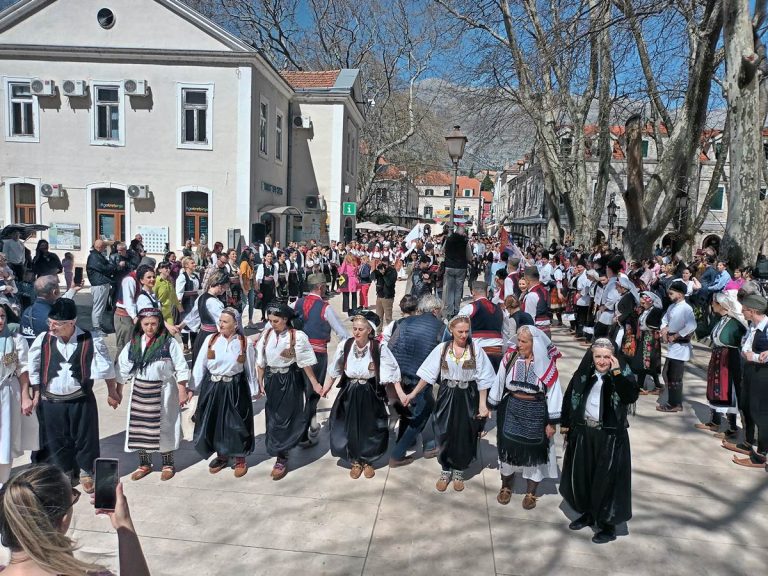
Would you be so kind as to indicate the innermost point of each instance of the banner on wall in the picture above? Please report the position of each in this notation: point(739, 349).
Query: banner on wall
point(64, 236)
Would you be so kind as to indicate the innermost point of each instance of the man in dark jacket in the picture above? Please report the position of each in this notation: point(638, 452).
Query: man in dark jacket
point(457, 255)
point(101, 273)
point(385, 277)
point(413, 339)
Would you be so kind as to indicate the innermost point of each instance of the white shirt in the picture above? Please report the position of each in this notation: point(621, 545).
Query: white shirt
point(609, 298)
point(430, 370)
point(679, 319)
point(181, 282)
point(173, 369)
point(261, 273)
point(545, 274)
point(146, 300)
point(64, 383)
point(14, 251)
point(592, 408)
point(128, 288)
point(330, 317)
point(16, 343)
point(750, 337)
point(583, 284)
point(271, 345)
point(214, 307)
point(359, 368)
point(225, 361)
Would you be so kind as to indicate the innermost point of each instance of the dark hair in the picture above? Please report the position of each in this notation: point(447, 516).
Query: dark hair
point(164, 264)
point(142, 270)
point(409, 304)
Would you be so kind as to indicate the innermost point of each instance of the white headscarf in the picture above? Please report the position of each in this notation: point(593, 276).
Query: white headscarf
point(732, 306)
point(628, 285)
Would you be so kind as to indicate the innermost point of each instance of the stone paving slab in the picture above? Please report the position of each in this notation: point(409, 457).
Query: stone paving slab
point(694, 511)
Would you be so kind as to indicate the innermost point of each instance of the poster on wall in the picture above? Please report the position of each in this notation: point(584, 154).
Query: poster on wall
point(155, 238)
point(64, 236)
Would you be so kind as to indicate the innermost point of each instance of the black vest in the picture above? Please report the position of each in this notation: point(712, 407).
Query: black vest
point(51, 360)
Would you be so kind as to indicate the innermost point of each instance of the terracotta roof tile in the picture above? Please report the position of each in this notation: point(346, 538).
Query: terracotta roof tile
point(303, 79)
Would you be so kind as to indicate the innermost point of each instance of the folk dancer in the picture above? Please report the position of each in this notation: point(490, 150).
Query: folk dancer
point(284, 358)
point(491, 328)
point(154, 362)
point(463, 374)
point(724, 371)
point(187, 291)
point(624, 330)
point(647, 359)
point(529, 398)
point(753, 401)
point(18, 421)
point(677, 326)
point(266, 273)
point(203, 319)
point(63, 363)
point(597, 467)
point(359, 418)
point(224, 376)
point(535, 301)
point(318, 320)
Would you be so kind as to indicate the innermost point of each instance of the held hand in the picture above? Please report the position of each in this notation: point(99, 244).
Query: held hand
point(183, 397)
point(112, 402)
point(35, 399)
point(260, 393)
point(26, 405)
point(326, 389)
point(763, 356)
point(317, 388)
point(550, 430)
point(404, 398)
point(483, 411)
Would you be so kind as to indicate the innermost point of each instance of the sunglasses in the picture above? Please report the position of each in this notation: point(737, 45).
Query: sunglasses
point(59, 323)
point(75, 495)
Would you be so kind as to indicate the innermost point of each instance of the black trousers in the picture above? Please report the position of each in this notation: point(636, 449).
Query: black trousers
point(753, 402)
point(313, 398)
point(581, 319)
point(673, 378)
point(72, 433)
point(601, 330)
point(345, 301)
point(334, 276)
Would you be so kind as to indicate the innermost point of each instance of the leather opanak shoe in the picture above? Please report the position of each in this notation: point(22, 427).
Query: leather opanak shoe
point(606, 534)
point(217, 465)
point(167, 473)
point(141, 472)
point(581, 522)
point(87, 483)
point(241, 468)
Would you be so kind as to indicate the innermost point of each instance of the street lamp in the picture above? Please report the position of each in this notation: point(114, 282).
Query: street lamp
point(612, 208)
point(455, 141)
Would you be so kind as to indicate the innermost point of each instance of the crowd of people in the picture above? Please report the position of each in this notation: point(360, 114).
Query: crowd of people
point(440, 370)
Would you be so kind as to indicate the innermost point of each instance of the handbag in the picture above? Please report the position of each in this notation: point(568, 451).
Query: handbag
point(343, 280)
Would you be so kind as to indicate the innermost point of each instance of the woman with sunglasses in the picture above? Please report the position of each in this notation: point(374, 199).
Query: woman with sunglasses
point(36, 509)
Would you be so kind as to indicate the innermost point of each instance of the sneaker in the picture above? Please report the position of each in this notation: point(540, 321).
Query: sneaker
point(458, 480)
point(443, 481)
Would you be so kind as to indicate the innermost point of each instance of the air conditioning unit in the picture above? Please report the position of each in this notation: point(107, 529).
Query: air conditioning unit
point(311, 202)
point(74, 87)
point(302, 122)
point(135, 87)
point(40, 87)
point(138, 192)
point(52, 190)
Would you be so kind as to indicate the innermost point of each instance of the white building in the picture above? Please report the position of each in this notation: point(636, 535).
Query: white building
point(144, 116)
point(435, 199)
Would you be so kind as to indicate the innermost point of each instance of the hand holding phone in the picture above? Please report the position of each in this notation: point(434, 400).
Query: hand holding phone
point(106, 477)
point(78, 278)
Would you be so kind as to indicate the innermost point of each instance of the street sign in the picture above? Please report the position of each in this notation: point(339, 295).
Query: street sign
point(349, 209)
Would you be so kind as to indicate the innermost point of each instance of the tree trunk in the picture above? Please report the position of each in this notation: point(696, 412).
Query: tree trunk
point(744, 226)
point(637, 244)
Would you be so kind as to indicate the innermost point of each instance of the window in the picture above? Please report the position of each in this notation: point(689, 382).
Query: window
point(22, 112)
point(429, 192)
point(108, 121)
point(110, 214)
point(263, 118)
point(467, 193)
point(566, 146)
point(196, 116)
point(447, 192)
point(23, 203)
point(645, 145)
point(349, 152)
point(718, 149)
point(427, 211)
point(195, 222)
point(279, 136)
point(381, 195)
point(717, 200)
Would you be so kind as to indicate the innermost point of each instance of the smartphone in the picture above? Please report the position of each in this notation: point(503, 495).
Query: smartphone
point(78, 279)
point(106, 477)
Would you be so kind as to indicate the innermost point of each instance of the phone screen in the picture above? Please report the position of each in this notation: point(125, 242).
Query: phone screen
point(106, 478)
point(78, 279)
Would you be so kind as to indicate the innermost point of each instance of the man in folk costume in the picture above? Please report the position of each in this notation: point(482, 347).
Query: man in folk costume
point(753, 400)
point(608, 298)
point(284, 360)
point(677, 327)
point(511, 286)
point(490, 326)
point(63, 363)
point(724, 372)
point(597, 467)
point(125, 308)
point(318, 320)
point(536, 300)
point(529, 398)
point(155, 363)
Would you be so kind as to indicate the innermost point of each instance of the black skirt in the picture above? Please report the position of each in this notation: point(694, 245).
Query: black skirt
point(286, 410)
point(458, 426)
point(267, 289)
point(198, 343)
point(224, 418)
point(359, 423)
point(521, 431)
point(597, 474)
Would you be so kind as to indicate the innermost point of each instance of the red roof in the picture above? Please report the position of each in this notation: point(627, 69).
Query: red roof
point(434, 178)
point(300, 79)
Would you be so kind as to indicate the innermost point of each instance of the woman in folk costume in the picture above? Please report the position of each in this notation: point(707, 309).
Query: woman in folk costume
point(224, 375)
point(597, 468)
point(295, 276)
point(724, 373)
point(266, 275)
point(359, 421)
point(556, 294)
point(624, 330)
point(206, 311)
point(155, 362)
point(187, 291)
point(282, 277)
point(19, 430)
point(647, 358)
point(529, 399)
point(464, 374)
point(284, 356)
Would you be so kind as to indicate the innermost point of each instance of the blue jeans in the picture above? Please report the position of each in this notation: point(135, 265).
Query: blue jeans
point(421, 411)
point(453, 290)
point(249, 299)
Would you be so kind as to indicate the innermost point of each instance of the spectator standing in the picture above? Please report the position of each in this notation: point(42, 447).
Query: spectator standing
point(68, 265)
point(364, 275)
point(165, 291)
point(14, 251)
point(101, 274)
point(385, 276)
point(457, 255)
point(349, 289)
point(45, 262)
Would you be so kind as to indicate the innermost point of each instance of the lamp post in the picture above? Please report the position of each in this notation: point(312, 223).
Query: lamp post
point(612, 208)
point(455, 142)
